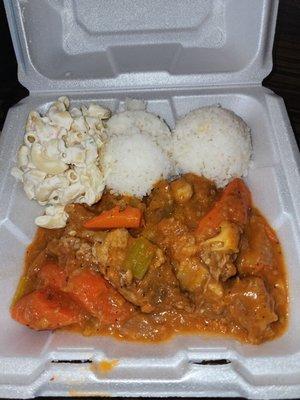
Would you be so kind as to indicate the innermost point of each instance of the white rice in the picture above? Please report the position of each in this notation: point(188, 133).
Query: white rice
point(213, 142)
point(133, 163)
point(140, 122)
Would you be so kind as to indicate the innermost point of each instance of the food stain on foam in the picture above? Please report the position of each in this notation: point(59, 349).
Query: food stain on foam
point(101, 367)
point(104, 366)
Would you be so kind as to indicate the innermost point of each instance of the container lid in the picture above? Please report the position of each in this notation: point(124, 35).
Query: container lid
point(84, 45)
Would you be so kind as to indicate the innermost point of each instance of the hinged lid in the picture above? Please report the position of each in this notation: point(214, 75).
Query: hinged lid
point(83, 45)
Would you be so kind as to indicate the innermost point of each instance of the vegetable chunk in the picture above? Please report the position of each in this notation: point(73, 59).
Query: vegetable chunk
point(226, 241)
point(233, 206)
point(51, 274)
point(139, 257)
point(130, 217)
point(101, 300)
point(45, 309)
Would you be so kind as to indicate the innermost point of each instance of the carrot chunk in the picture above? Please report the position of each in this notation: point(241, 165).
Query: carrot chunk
point(130, 217)
point(233, 205)
point(98, 297)
point(51, 274)
point(45, 309)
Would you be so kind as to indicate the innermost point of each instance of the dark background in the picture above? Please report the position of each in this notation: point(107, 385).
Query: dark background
point(284, 79)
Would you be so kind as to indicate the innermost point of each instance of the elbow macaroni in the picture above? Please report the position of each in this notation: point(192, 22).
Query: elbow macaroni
point(58, 161)
point(54, 217)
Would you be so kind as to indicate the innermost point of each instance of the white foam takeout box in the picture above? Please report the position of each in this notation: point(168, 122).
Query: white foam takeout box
point(177, 55)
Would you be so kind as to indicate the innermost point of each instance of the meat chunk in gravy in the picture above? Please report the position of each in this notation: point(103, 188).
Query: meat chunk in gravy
point(251, 306)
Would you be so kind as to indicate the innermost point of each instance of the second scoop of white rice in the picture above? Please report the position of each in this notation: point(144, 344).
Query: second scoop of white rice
point(133, 164)
point(142, 122)
point(213, 142)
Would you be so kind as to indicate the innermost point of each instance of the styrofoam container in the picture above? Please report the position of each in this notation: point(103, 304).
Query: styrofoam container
point(177, 55)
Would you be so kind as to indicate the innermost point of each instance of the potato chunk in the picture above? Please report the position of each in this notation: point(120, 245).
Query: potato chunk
point(227, 240)
point(181, 190)
point(192, 274)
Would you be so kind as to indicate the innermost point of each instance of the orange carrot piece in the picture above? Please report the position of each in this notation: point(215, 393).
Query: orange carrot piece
point(237, 201)
point(130, 217)
point(87, 287)
point(45, 309)
point(233, 205)
point(51, 274)
point(98, 297)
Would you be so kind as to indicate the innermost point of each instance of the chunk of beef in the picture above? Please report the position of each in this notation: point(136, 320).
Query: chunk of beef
point(175, 237)
point(194, 264)
point(256, 256)
point(221, 265)
point(251, 306)
point(160, 203)
point(72, 252)
point(180, 243)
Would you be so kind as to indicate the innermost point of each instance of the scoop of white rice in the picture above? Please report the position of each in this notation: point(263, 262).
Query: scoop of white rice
point(213, 142)
point(142, 122)
point(133, 164)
